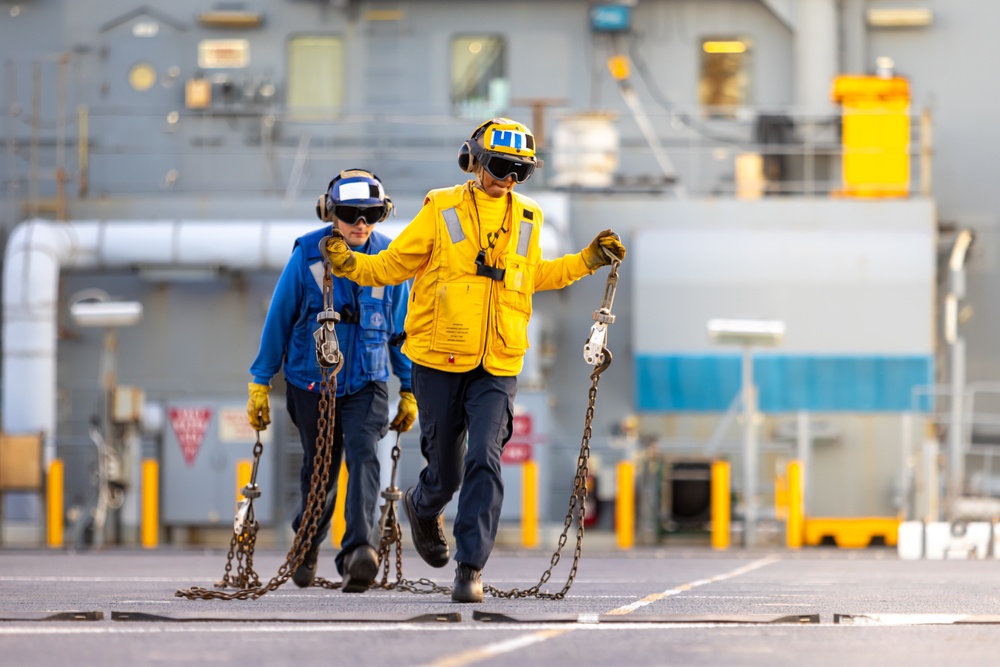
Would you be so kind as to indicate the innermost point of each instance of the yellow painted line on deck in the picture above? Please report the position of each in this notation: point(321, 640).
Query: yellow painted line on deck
point(498, 648)
point(506, 646)
point(655, 597)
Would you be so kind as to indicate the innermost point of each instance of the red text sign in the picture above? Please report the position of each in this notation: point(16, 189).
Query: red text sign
point(522, 426)
point(516, 452)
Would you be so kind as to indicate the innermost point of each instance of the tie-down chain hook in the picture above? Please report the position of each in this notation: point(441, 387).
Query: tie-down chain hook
point(328, 354)
point(595, 351)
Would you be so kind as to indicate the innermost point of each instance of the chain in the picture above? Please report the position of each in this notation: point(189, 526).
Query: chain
point(596, 353)
point(246, 581)
point(244, 534)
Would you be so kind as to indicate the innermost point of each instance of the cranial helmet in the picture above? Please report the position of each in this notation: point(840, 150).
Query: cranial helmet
point(353, 194)
point(503, 147)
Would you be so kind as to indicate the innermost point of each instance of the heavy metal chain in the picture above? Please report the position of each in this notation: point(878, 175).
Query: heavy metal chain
point(595, 352)
point(391, 543)
point(245, 533)
point(246, 582)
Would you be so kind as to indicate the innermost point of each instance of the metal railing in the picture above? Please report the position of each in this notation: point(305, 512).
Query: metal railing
point(57, 151)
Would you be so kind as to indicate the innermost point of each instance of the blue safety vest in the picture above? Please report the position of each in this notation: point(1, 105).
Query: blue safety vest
point(370, 316)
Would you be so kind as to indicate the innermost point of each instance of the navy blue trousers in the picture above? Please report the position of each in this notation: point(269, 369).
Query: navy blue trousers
point(362, 419)
point(465, 422)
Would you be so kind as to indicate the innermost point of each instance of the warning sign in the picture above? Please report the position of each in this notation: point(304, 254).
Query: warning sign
point(516, 452)
point(521, 426)
point(190, 425)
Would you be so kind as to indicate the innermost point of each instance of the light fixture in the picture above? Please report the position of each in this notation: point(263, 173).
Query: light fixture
point(94, 308)
point(227, 18)
point(900, 17)
point(731, 46)
point(746, 332)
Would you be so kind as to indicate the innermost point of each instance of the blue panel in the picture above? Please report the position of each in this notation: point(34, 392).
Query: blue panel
point(610, 18)
point(709, 382)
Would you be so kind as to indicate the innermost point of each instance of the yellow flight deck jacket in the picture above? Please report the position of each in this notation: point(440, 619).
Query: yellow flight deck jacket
point(457, 320)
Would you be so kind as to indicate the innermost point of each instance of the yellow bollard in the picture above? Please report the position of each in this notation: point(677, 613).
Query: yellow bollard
point(529, 504)
point(54, 500)
point(794, 525)
point(339, 520)
point(244, 468)
point(720, 505)
point(625, 505)
point(150, 531)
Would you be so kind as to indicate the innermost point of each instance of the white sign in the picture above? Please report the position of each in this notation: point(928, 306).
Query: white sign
point(234, 427)
point(218, 53)
point(146, 29)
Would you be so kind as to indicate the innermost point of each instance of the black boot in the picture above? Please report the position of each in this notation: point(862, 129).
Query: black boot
point(468, 584)
point(428, 536)
point(306, 571)
point(360, 567)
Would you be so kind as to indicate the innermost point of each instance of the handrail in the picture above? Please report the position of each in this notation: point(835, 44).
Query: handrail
point(256, 135)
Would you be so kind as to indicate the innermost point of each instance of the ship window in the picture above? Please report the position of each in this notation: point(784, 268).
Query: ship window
point(724, 84)
point(479, 84)
point(315, 77)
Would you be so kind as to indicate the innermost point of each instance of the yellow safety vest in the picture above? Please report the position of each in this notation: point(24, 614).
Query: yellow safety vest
point(457, 320)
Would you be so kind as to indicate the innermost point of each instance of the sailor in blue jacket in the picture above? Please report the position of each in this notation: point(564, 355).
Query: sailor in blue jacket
point(370, 318)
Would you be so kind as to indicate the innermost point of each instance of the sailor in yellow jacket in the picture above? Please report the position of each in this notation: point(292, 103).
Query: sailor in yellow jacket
point(474, 253)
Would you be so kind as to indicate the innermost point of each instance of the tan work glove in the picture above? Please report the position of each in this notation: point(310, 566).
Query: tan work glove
point(406, 413)
point(341, 256)
point(596, 254)
point(259, 406)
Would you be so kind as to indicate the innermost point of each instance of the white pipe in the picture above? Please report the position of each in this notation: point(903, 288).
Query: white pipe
point(38, 250)
point(35, 252)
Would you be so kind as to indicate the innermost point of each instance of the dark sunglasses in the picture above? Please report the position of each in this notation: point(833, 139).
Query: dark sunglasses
point(501, 168)
point(352, 214)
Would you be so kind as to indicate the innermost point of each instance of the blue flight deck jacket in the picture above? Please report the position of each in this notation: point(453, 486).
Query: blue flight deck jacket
point(370, 316)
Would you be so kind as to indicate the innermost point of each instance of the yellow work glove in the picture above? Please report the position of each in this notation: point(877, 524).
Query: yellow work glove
point(596, 254)
point(259, 406)
point(341, 256)
point(406, 413)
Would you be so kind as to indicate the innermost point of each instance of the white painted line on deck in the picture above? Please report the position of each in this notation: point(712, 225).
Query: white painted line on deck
point(217, 628)
point(904, 619)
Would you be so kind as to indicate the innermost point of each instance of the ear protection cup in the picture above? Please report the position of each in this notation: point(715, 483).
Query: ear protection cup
point(467, 153)
point(466, 161)
point(324, 206)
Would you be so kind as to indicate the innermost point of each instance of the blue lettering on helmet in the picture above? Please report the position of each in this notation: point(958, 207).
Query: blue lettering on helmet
point(508, 139)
